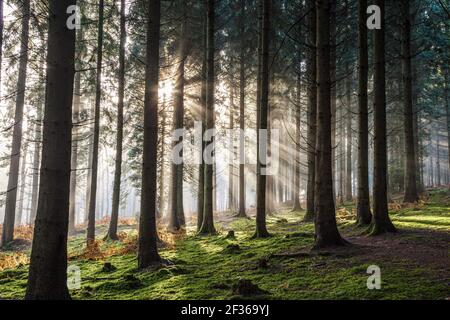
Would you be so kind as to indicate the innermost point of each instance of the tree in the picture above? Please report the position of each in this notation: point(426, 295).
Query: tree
point(327, 233)
point(208, 217)
point(242, 85)
point(312, 112)
point(1, 37)
point(13, 177)
point(381, 222)
point(112, 231)
point(148, 250)
point(348, 173)
point(261, 229)
point(47, 277)
point(363, 214)
point(96, 134)
point(176, 213)
point(298, 109)
point(411, 194)
point(74, 159)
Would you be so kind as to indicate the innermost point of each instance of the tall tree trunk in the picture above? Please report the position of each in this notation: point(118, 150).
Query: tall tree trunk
point(341, 158)
point(381, 221)
point(312, 112)
point(261, 230)
point(176, 214)
point(74, 157)
point(326, 233)
point(363, 214)
point(162, 156)
point(296, 185)
point(202, 115)
point(112, 231)
point(447, 111)
point(1, 40)
point(95, 151)
point(208, 209)
point(148, 250)
point(47, 277)
point(11, 193)
point(348, 173)
point(230, 203)
point(242, 86)
point(23, 181)
point(411, 194)
point(89, 173)
point(37, 144)
point(333, 56)
point(438, 159)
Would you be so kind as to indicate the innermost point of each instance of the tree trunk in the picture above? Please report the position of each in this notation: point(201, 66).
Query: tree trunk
point(208, 217)
point(411, 194)
point(112, 232)
point(261, 230)
point(296, 185)
point(95, 151)
point(242, 85)
point(162, 156)
point(363, 214)
point(37, 145)
point(176, 213)
point(148, 250)
point(230, 203)
point(312, 113)
point(1, 40)
point(23, 181)
point(202, 114)
point(447, 111)
point(438, 159)
point(381, 221)
point(74, 158)
point(333, 49)
point(326, 233)
point(348, 173)
point(13, 176)
point(47, 277)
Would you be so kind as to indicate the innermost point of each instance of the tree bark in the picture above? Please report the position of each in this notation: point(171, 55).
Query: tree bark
point(296, 185)
point(447, 111)
point(242, 86)
point(326, 234)
point(295, 192)
point(1, 40)
point(47, 277)
point(208, 208)
point(348, 172)
point(261, 230)
point(363, 214)
point(176, 214)
point(37, 144)
point(13, 176)
point(148, 250)
point(74, 157)
point(112, 232)
point(95, 151)
point(312, 112)
point(23, 181)
point(201, 167)
point(411, 194)
point(381, 222)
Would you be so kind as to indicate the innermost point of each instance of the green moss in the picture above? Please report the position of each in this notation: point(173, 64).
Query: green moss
point(204, 268)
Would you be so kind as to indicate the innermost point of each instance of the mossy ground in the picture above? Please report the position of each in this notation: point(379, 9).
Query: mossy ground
point(203, 267)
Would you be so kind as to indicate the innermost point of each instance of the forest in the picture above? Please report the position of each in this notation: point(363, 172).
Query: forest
point(224, 149)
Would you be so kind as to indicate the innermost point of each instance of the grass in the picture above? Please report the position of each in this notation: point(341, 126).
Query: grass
point(206, 267)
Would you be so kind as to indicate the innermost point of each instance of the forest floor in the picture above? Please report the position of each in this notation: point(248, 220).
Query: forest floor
point(414, 263)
